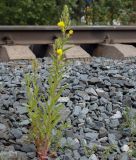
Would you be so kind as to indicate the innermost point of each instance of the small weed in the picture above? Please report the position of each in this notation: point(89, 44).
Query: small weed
point(129, 120)
point(108, 151)
point(57, 135)
point(1, 87)
point(105, 154)
point(44, 113)
point(88, 151)
point(132, 152)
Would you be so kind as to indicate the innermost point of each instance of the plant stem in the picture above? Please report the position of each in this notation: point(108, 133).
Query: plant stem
point(43, 149)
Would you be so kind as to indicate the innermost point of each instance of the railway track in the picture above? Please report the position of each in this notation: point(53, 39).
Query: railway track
point(25, 35)
point(108, 38)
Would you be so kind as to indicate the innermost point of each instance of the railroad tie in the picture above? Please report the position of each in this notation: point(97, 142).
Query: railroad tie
point(75, 52)
point(15, 52)
point(115, 51)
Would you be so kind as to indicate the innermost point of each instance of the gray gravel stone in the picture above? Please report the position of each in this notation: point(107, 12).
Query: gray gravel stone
point(63, 142)
point(103, 132)
point(73, 143)
point(93, 107)
point(84, 111)
point(76, 155)
point(112, 139)
point(124, 156)
point(91, 91)
point(94, 80)
point(31, 155)
point(65, 112)
point(100, 92)
point(21, 110)
point(17, 133)
point(95, 93)
point(91, 136)
point(83, 95)
point(24, 122)
point(28, 148)
point(77, 110)
point(114, 123)
point(83, 158)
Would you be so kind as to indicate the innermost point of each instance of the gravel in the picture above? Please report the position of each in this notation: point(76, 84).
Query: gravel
point(95, 99)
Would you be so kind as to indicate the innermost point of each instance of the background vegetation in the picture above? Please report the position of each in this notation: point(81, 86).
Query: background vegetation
point(46, 12)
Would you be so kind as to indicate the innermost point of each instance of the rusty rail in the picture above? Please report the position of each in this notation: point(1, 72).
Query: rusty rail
point(26, 35)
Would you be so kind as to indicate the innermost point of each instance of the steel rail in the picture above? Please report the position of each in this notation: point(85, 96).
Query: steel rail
point(26, 35)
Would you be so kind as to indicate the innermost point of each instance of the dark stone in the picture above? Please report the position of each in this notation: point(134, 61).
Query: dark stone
point(67, 158)
point(91, 91)
point(93, 80)
point(128, 84)
point(103, 132)
point(28, 148)
point(93, 107)
point(134, 105)
point(98, 125)
point(114, 123)
point(17, 133)
point(126, 132)
point(31, 154)
point(83, 94)
point(91, 136)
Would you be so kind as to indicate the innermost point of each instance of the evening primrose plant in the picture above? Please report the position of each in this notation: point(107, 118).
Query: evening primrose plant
point(44, 112)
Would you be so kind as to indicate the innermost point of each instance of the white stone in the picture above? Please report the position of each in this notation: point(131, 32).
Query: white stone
point(117, 115)
point(125, 148)
point(93, 157)
point(100, 92)
point(63, 99)
point(2, 127)
point(76, 140)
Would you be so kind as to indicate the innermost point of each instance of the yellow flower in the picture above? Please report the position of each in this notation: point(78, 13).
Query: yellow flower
point(71, 32)
point(61, 24)
point(59, 52)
